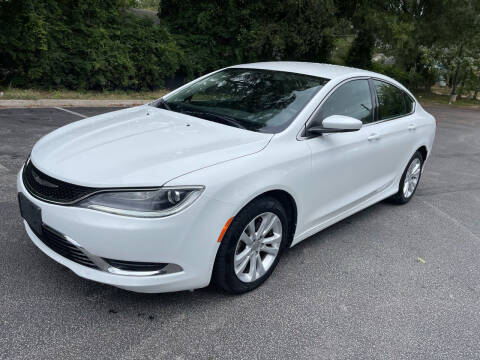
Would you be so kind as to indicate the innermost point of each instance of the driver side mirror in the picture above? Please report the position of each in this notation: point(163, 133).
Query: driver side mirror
point(335, 124)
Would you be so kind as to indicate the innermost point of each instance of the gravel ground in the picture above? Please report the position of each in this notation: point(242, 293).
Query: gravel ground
point(356, 290)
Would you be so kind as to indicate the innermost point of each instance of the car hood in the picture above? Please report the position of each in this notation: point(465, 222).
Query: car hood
point(141, 146)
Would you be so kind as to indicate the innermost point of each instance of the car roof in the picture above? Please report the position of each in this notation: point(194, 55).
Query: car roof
point(326, 71)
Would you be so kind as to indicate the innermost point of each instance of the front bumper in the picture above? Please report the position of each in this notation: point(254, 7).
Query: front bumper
point(187, 239)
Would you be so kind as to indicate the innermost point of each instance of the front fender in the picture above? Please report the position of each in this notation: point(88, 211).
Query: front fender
point(239, 181)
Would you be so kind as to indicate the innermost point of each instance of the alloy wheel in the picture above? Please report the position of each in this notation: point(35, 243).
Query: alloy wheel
point(411, 178)
point(258, 247)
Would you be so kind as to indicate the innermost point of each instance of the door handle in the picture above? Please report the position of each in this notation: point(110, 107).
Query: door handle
point(373, 137)
point(412, 127)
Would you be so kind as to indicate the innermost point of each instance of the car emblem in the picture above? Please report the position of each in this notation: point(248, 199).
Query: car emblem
point(43, 182)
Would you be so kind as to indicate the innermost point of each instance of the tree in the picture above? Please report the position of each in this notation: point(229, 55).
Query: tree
point(87, 44)
point(361, 51)
point(214, 34)
point(146, 4)
point(457, 43)
point(362, 17)
point(461, 27)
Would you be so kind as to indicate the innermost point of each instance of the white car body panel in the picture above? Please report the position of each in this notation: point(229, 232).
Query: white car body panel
point(328, 177)
point(109, 147)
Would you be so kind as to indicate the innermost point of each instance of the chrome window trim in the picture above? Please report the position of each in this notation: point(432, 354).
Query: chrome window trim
point(301, 137)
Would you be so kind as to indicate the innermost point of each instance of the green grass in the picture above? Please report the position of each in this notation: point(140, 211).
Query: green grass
point(429, 98)
point(425, 97)
point(33, 94)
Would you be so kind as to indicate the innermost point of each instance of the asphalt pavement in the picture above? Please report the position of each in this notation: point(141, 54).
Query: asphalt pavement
point(389, 282)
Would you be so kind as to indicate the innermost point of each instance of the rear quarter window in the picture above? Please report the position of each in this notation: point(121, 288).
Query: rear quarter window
point(410, 103)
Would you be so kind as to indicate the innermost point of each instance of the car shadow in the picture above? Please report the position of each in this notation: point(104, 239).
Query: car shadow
point(113, 302)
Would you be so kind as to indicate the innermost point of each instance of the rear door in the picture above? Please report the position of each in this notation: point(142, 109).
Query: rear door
point(396, 125)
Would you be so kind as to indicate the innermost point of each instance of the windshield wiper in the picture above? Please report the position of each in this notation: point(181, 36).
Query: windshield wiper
point(214, 117)
point(161, 103)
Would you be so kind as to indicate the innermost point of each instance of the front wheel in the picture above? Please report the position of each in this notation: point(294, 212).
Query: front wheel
point(410, 179)
point(251, 247)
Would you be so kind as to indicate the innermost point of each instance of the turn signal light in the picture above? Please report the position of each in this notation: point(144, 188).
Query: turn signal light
point(224, 230)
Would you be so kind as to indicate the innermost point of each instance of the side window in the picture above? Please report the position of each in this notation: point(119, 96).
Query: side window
point(391, 101)
point(350, 99)
point(410, 103)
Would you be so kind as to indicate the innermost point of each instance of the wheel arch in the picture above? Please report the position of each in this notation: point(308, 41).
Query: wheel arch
point(288, 202)
point(423, 150)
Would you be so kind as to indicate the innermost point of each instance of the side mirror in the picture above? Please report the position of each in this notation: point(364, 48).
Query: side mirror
point(335, 124)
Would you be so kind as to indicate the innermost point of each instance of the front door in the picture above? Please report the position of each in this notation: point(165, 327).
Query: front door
point(345, 169)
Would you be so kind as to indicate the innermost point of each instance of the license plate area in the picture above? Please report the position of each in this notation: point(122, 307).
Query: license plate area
point(31, 213)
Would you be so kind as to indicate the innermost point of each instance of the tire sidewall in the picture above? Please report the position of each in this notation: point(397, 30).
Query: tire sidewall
point(400, 196)
point(225, 256)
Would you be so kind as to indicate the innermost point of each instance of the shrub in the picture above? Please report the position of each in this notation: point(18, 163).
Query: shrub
point(86, 44)
point(215, 34)
point(412, 80)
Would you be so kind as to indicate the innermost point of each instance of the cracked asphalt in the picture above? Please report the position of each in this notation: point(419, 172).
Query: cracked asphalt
point(356, 290)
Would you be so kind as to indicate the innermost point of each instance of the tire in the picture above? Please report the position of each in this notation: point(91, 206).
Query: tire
point(403, 196)
point(233, 246)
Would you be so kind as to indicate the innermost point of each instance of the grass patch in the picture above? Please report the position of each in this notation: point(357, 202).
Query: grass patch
point(425, 97)
point(33, 94)
point(429, 98)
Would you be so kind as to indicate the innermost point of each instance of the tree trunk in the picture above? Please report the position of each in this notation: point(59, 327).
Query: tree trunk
point(475, 94)
point(453, 94)
point(461, 86)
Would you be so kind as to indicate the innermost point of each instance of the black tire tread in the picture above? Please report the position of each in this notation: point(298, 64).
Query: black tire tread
point(398, 198)
point(223, 276)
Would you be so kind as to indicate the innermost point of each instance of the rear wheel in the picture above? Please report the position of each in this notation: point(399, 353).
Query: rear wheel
point(410, 179)
point(251, 247)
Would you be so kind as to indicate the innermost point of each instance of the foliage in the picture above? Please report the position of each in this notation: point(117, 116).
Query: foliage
point(458, 44)
point(146, 4)
point(99, 45)
point(214, 34)
point(363, 22)
point(472, 78)
point(87, 44)
point(458, 59)
point(61, 94)
point(405, 28)
point(342, 46)
point(410, 79)
point(361, 51)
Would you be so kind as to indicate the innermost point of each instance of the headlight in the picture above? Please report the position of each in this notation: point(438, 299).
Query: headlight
point(146, 203)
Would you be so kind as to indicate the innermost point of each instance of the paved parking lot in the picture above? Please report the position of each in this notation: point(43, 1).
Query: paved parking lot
point(356, 290)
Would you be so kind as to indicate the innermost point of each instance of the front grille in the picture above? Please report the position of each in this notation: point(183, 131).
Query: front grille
point(46, 188)
point(63, 247)
point(134, 265)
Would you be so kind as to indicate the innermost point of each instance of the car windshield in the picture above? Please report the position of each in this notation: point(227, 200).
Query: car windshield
point(253, 99)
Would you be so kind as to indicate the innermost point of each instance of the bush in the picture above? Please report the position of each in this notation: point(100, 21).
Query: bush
point(215, 34)
point(86, 44)
point(360, 53)
point(412, 80)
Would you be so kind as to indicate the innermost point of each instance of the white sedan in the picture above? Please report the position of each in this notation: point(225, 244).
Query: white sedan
point(212, 182)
